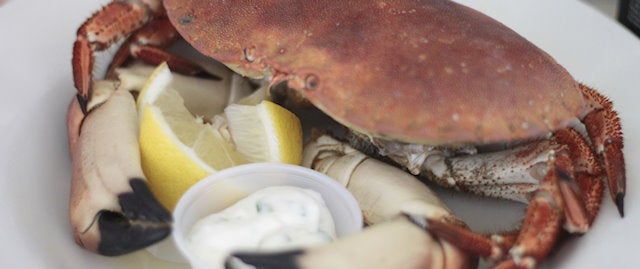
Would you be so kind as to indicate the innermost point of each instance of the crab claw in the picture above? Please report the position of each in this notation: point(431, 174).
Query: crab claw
point(396, 206)
point(397, 243)
point(111, 209)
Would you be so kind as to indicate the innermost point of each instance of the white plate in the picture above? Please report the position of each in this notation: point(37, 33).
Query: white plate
point(36, 86)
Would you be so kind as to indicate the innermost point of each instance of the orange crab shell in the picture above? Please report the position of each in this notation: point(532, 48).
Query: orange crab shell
point(431, 72)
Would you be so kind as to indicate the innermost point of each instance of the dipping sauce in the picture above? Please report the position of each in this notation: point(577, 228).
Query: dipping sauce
point(274, 218)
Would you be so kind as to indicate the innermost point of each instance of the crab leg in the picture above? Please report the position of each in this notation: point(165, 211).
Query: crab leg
point(395, 204)
point(541, 173)
point(604, 130)
point(117, 21)
point(514, 174)
point(543, 221)
point(147, 44)
point(104, 29)
point(111, 208)
point(392, 191)
point(560, 178)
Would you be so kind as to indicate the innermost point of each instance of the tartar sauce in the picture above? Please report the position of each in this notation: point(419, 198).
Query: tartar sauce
point(274, 218)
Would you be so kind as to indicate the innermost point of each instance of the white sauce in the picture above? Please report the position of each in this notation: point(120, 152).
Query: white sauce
point(274, 218)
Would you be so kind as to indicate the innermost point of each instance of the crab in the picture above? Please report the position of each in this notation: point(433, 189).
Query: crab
point(440, 89)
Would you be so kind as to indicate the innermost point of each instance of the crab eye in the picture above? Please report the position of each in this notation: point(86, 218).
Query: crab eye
point(311, 82)
point(249, 54)
point(186, 19)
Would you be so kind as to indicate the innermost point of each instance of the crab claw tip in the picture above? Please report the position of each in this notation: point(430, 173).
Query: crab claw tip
point(140, 204)
point(143, 222)
point(282, 260)
point(620, 204)
point(120, 236)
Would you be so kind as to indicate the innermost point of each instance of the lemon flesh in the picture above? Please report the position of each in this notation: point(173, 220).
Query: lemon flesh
point(177, 149)
point(265, 132)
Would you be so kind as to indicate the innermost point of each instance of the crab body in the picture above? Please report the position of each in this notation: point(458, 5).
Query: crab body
point(431, 73)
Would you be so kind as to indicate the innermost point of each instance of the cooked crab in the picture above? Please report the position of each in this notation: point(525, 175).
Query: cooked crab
point(429, 75)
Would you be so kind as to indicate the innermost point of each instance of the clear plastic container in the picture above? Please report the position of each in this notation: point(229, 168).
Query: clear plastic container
point(223, 189)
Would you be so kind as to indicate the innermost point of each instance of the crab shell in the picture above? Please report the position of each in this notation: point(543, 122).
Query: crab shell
point(435, 72)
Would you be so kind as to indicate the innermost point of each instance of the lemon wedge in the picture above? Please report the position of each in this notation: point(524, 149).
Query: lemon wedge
point(265, 132)
point(177, 148)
